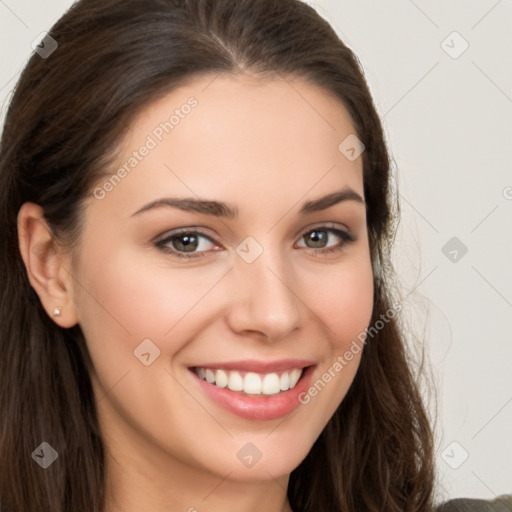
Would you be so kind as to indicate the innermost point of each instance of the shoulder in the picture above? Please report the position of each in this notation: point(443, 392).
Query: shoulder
point(500, 504)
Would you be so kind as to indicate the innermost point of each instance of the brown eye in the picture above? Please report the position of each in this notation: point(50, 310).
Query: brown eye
point(318, 238)
point(185, 244)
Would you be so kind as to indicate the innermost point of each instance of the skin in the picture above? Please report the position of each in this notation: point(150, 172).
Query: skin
point(266, 146)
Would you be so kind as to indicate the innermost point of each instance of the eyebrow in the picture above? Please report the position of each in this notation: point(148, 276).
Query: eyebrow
point(220, 209)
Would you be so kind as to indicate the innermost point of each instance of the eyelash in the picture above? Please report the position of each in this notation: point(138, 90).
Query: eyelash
point(162, 244)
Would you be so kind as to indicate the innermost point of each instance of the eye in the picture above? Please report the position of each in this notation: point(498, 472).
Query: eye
point(188, 243)
point(321, 235)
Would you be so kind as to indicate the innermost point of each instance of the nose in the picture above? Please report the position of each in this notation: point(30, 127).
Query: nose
point(263, 299)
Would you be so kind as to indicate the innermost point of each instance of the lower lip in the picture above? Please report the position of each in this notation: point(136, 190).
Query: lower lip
point(257, 407)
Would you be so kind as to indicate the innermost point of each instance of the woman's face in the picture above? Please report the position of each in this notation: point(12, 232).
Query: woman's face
point(268, 291)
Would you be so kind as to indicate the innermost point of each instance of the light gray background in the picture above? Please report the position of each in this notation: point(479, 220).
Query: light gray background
point(449, 125)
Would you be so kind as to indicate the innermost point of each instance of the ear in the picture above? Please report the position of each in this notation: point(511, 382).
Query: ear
point(48, 266)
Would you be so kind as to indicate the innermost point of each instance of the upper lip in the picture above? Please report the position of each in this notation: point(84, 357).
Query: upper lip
point(253, 365)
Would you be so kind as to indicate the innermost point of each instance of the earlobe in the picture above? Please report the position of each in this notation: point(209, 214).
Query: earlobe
point(48, 268)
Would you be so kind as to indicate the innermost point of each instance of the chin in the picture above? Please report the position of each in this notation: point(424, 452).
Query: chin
point(259, 458)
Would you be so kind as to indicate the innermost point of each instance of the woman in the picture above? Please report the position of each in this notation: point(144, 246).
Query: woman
point(196, 310)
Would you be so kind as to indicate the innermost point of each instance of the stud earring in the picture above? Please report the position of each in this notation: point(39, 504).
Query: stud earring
point(56, 311)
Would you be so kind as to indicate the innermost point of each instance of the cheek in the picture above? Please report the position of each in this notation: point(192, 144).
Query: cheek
point(134, 294)
point(343, 300)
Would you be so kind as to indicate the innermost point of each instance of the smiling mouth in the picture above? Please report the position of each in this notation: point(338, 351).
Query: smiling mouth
point(251, 383)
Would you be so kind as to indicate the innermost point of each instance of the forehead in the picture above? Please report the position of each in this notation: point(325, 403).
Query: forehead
point(244, 138)
point(236, 108)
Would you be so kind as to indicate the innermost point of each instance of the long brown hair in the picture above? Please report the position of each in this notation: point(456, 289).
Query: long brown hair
point(68, 113)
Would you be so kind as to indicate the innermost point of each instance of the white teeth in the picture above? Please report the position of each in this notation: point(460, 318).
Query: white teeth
point(221, 378)
point(251, 383)
point(235, 382)
point(284, 381)
point(294, 377)
point(270, 385)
